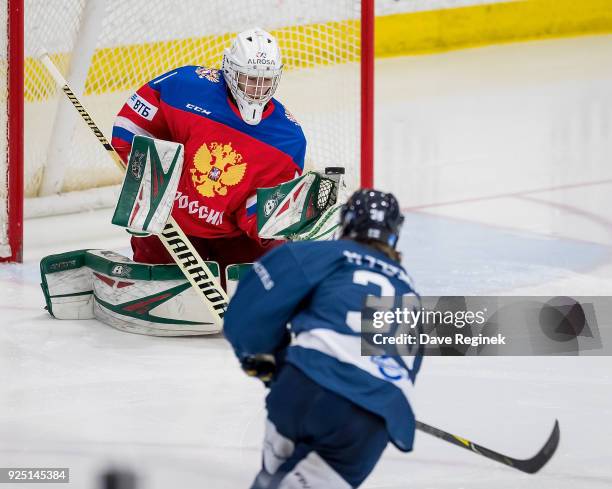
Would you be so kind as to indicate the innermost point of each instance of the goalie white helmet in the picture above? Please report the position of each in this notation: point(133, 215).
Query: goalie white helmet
point(252, 68)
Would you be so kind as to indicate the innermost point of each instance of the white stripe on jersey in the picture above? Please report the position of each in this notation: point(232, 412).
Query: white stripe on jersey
point(159, 80)
point(347, 349)
point(131, 126)
point(251, 201)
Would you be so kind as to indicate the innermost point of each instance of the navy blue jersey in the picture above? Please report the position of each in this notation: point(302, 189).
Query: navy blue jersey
point(320, 289)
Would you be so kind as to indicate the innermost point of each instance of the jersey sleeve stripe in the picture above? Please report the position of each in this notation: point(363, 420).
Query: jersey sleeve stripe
point(131, 126)
point(251, 205)
point(161, 78)
point(123, 134)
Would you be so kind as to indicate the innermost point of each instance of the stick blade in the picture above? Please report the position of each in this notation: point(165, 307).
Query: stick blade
point(540, 459)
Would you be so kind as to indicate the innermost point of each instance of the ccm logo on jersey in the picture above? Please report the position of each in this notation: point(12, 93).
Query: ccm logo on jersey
point(142, 107)
point(195, 108)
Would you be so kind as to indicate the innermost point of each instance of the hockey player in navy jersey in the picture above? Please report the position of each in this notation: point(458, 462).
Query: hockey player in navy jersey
point(331, 411)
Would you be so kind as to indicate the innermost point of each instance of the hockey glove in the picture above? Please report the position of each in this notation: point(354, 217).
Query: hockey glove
point(260, 365)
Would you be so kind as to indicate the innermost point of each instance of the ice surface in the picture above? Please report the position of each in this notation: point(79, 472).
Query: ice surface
point(180, 412)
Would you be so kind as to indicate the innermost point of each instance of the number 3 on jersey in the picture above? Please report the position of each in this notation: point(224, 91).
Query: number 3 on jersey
point(365, 278)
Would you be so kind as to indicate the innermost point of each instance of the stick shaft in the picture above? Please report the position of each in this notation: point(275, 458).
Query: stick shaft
point(530, 465)
point(174, 239)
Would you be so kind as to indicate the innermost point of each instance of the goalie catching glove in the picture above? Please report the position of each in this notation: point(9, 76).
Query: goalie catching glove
point(305, 208)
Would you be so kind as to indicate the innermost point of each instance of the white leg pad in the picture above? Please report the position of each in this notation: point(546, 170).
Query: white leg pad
point(134, 297)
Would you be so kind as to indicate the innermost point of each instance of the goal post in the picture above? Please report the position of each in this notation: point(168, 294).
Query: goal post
point(367, 94)
point(108, 48)
point(11, 131)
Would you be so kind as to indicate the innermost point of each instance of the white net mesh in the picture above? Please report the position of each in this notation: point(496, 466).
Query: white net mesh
point(109, 48)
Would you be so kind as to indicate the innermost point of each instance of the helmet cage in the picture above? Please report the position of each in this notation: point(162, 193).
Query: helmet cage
point(252, 85)
point(252, 74)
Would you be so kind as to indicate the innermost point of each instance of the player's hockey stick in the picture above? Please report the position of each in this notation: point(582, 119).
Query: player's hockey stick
point(529, 465)
point(174, 239)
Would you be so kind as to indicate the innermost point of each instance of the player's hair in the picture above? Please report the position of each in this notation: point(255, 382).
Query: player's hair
point(382, 247)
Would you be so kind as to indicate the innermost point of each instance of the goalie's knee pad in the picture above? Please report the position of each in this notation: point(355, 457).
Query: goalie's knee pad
point(155, 300)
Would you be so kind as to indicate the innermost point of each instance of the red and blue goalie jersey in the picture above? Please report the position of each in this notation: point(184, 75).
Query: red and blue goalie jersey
point(226, 159)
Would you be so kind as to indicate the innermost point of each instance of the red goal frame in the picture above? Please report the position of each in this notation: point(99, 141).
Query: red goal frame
point(14, 156)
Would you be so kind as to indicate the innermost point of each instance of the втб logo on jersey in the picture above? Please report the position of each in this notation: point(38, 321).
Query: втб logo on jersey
point(217, 166)
point(142, 107)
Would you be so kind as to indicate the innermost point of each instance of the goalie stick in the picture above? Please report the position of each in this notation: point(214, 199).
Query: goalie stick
point(529, 465)
point(174, 239)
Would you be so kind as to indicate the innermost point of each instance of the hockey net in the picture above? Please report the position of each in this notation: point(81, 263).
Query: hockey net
point(108, 48)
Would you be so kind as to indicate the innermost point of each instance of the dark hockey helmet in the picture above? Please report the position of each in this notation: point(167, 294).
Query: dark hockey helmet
point(372, 215)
